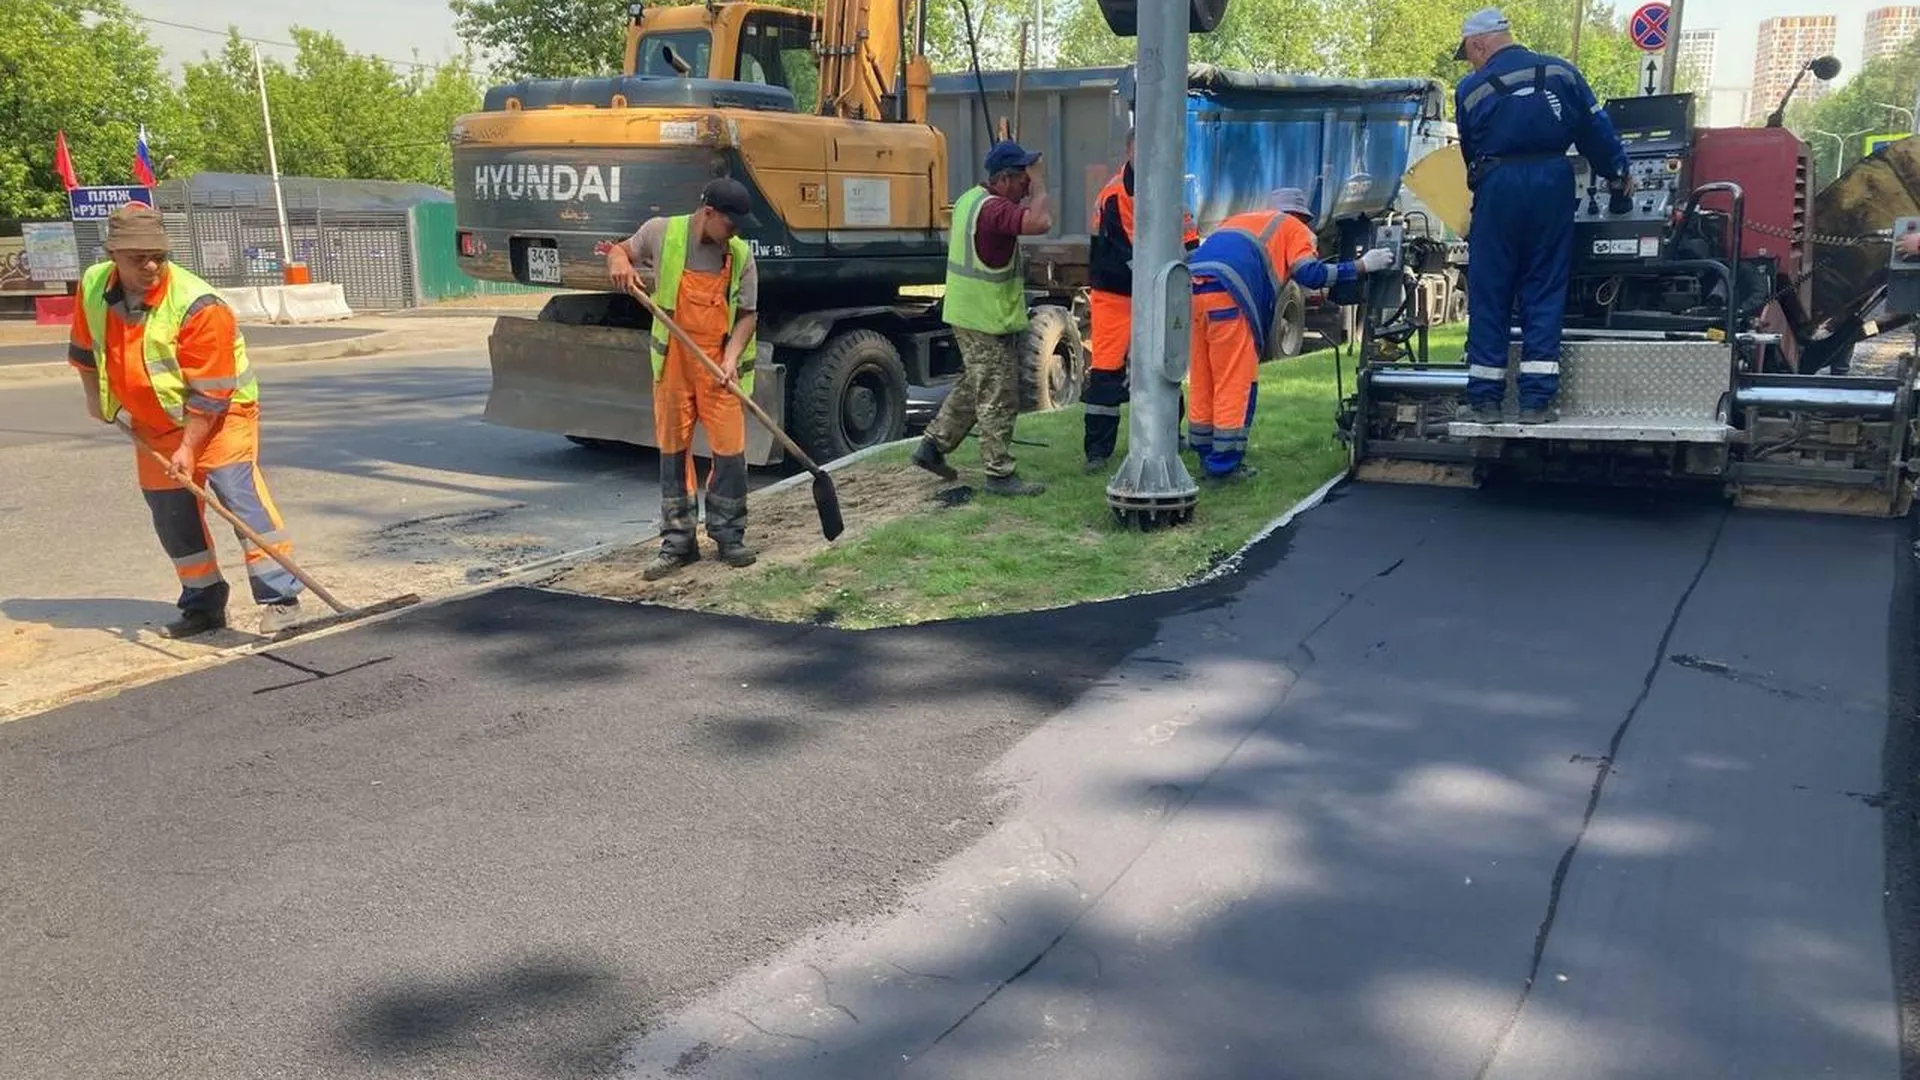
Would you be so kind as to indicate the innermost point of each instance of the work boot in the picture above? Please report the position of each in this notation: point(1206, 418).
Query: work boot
point(277, 617)
point(929, 457)
point(1095, 465)
point(1242, 471)
point(737, 555)
point(1486, 412)
point(1013, 485)
point(666, 562)
point(194, 623)
point(1539, 414)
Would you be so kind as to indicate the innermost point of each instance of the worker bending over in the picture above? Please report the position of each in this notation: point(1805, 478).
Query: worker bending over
point(1518, 113)
point(1238, 273)
point(158, 350)
point(986, 304)
point(1110, 303)
point(699, 270)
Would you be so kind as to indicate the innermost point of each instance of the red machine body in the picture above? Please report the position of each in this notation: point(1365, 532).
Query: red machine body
point(1773, 168)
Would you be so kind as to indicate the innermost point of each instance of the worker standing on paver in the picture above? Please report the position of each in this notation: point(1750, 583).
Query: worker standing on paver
point(1518, 113)
point(158, 349)
point(699, 270)
point(1238, 273)
point(1110, 310)
point(986, 304)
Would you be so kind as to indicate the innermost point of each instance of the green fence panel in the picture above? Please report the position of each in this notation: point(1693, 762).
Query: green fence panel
point(440, 275)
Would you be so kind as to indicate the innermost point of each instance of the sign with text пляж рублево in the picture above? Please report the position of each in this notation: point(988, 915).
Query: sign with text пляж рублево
point(99, 203)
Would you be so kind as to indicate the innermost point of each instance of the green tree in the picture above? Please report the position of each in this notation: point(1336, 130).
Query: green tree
point(85, 67)
point(1856, 107)
point(553, 39)
point(334, 114)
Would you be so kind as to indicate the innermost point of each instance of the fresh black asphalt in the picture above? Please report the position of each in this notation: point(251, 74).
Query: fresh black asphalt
point(258, 337)
point(498, 838)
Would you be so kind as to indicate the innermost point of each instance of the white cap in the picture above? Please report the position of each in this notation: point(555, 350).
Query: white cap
point(1484, 21)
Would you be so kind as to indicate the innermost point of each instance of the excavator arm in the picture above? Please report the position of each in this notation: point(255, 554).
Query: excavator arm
point(865, 56)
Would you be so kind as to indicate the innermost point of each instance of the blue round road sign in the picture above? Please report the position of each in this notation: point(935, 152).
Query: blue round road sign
point(1649, 27)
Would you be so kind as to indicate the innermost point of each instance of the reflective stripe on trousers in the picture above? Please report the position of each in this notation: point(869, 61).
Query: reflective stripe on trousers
point(1222, 372)
point(179, 520)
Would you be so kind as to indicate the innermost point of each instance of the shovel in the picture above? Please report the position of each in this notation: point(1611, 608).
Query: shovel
point(254, 537)
point(826, 500)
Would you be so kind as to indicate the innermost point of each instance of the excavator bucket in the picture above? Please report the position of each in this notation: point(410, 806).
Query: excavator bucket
point(594, 383)
point(1878, 188)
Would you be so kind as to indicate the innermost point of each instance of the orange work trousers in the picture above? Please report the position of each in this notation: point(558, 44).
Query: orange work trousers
point(1222, 372)
point(1107, 386)
point(686, 394)
point(229, 467)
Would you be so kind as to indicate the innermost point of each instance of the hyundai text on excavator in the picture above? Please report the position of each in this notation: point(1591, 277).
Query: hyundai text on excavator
point(823, 118)
point(1709, 326)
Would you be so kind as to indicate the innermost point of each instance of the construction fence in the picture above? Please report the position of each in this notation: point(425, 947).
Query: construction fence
point(388, 246)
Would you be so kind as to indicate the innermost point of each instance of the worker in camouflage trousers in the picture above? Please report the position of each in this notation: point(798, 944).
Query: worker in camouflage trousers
point(986, 304)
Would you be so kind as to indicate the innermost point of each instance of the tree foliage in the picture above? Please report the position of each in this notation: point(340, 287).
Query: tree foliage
point(85, 67)
point(1855, 110)
point(554, 39)
point(334, 114)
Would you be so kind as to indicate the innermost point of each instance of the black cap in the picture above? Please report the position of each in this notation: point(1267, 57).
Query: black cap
point(729, 197)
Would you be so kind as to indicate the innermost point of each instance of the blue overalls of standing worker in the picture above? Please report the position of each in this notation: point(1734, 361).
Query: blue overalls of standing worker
point(1518, 112)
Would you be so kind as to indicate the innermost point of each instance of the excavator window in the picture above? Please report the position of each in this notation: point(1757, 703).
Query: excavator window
point(776, 49)
point(690, 46)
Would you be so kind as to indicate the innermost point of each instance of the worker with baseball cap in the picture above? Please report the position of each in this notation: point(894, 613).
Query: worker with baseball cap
point(158, 349)
point(1518, 113)
point(699, 269)
point(986, 304)
point(1239, 273)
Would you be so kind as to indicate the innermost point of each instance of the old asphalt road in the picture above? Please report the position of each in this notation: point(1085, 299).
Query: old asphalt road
point(1448, 784)
point(389, 479)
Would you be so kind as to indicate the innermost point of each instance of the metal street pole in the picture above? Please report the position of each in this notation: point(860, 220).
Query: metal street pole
point(1675, 17)
point(1152, 486)
point(1908, 113)
point(1579, 18)
point(273, 165)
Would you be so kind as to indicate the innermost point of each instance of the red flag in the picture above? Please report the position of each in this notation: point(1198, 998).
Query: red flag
point(63, 162)
point(142, 161)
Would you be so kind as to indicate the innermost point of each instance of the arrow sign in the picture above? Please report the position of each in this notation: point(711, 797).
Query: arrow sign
point(1652, 86)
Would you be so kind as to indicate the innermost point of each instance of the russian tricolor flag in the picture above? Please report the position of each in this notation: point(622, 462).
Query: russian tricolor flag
point(142, 161)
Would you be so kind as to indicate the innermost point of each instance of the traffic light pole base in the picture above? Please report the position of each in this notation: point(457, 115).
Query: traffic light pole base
point(1150, 491)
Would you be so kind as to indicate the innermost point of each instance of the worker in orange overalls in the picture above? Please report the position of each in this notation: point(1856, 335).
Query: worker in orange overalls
point(700, 271)
point(1238, 273)
point(157, 348)
point(1110, 310)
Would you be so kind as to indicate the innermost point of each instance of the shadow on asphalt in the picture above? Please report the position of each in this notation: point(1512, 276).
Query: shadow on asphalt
point(1412, 707)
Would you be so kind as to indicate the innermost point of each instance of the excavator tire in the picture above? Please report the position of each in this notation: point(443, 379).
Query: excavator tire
point(1053, 360)
point(851, 393)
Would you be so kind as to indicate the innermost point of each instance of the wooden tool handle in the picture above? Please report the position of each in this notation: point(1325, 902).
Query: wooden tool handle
point(700, 354)
point(234, 519)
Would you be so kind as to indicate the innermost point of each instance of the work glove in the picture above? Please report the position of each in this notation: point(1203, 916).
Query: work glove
point(1376, 260)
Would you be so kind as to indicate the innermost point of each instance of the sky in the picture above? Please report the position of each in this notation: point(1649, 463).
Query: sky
point(397, 28)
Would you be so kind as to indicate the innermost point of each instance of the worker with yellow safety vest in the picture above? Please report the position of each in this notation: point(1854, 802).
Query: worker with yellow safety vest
point(986, 304)
point(1110, 311)
point(157, 349)
point(700, 271)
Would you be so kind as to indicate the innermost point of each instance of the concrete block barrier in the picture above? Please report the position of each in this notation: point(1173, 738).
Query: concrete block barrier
point(318, 302)
point(247, 304)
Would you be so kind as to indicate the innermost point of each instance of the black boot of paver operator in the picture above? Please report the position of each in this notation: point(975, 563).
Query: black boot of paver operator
point(666, 562)
point(1539, 414)
point(1485, 412)
point(194, 623)
point(929, 457)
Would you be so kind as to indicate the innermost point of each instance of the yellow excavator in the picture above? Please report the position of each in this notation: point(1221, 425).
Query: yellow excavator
point(824, 118)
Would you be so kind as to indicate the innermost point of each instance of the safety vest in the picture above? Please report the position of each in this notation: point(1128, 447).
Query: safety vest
point(990, 300)
point(159, 338)
point(666, 293)
point(1117, 189)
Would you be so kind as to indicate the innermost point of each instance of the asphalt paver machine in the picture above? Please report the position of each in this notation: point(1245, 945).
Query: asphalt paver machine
point(1710, 326)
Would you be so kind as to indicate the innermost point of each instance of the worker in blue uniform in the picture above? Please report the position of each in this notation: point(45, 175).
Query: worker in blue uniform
point(1518, 112)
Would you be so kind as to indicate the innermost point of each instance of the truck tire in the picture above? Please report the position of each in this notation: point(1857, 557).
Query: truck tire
point(1053, 360)
point(1292, 323)
point(851, 393)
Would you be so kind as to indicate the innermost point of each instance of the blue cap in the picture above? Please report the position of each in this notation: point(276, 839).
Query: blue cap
point(1484, 21)
point(1008, 155)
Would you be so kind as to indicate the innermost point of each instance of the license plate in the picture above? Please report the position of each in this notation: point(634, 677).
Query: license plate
point(543, 265)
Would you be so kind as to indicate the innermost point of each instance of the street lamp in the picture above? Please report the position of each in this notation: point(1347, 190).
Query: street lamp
point(1908, 113)
point(1841, 144)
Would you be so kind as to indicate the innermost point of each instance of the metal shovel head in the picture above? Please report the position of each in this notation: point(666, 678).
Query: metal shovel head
point(826, 500)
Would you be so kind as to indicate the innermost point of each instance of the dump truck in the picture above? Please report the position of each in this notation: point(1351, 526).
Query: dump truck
point(1709, 322)
point(853, 153)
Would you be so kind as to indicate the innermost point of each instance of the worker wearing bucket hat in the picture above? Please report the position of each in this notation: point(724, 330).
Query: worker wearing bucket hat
point(157, 348)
